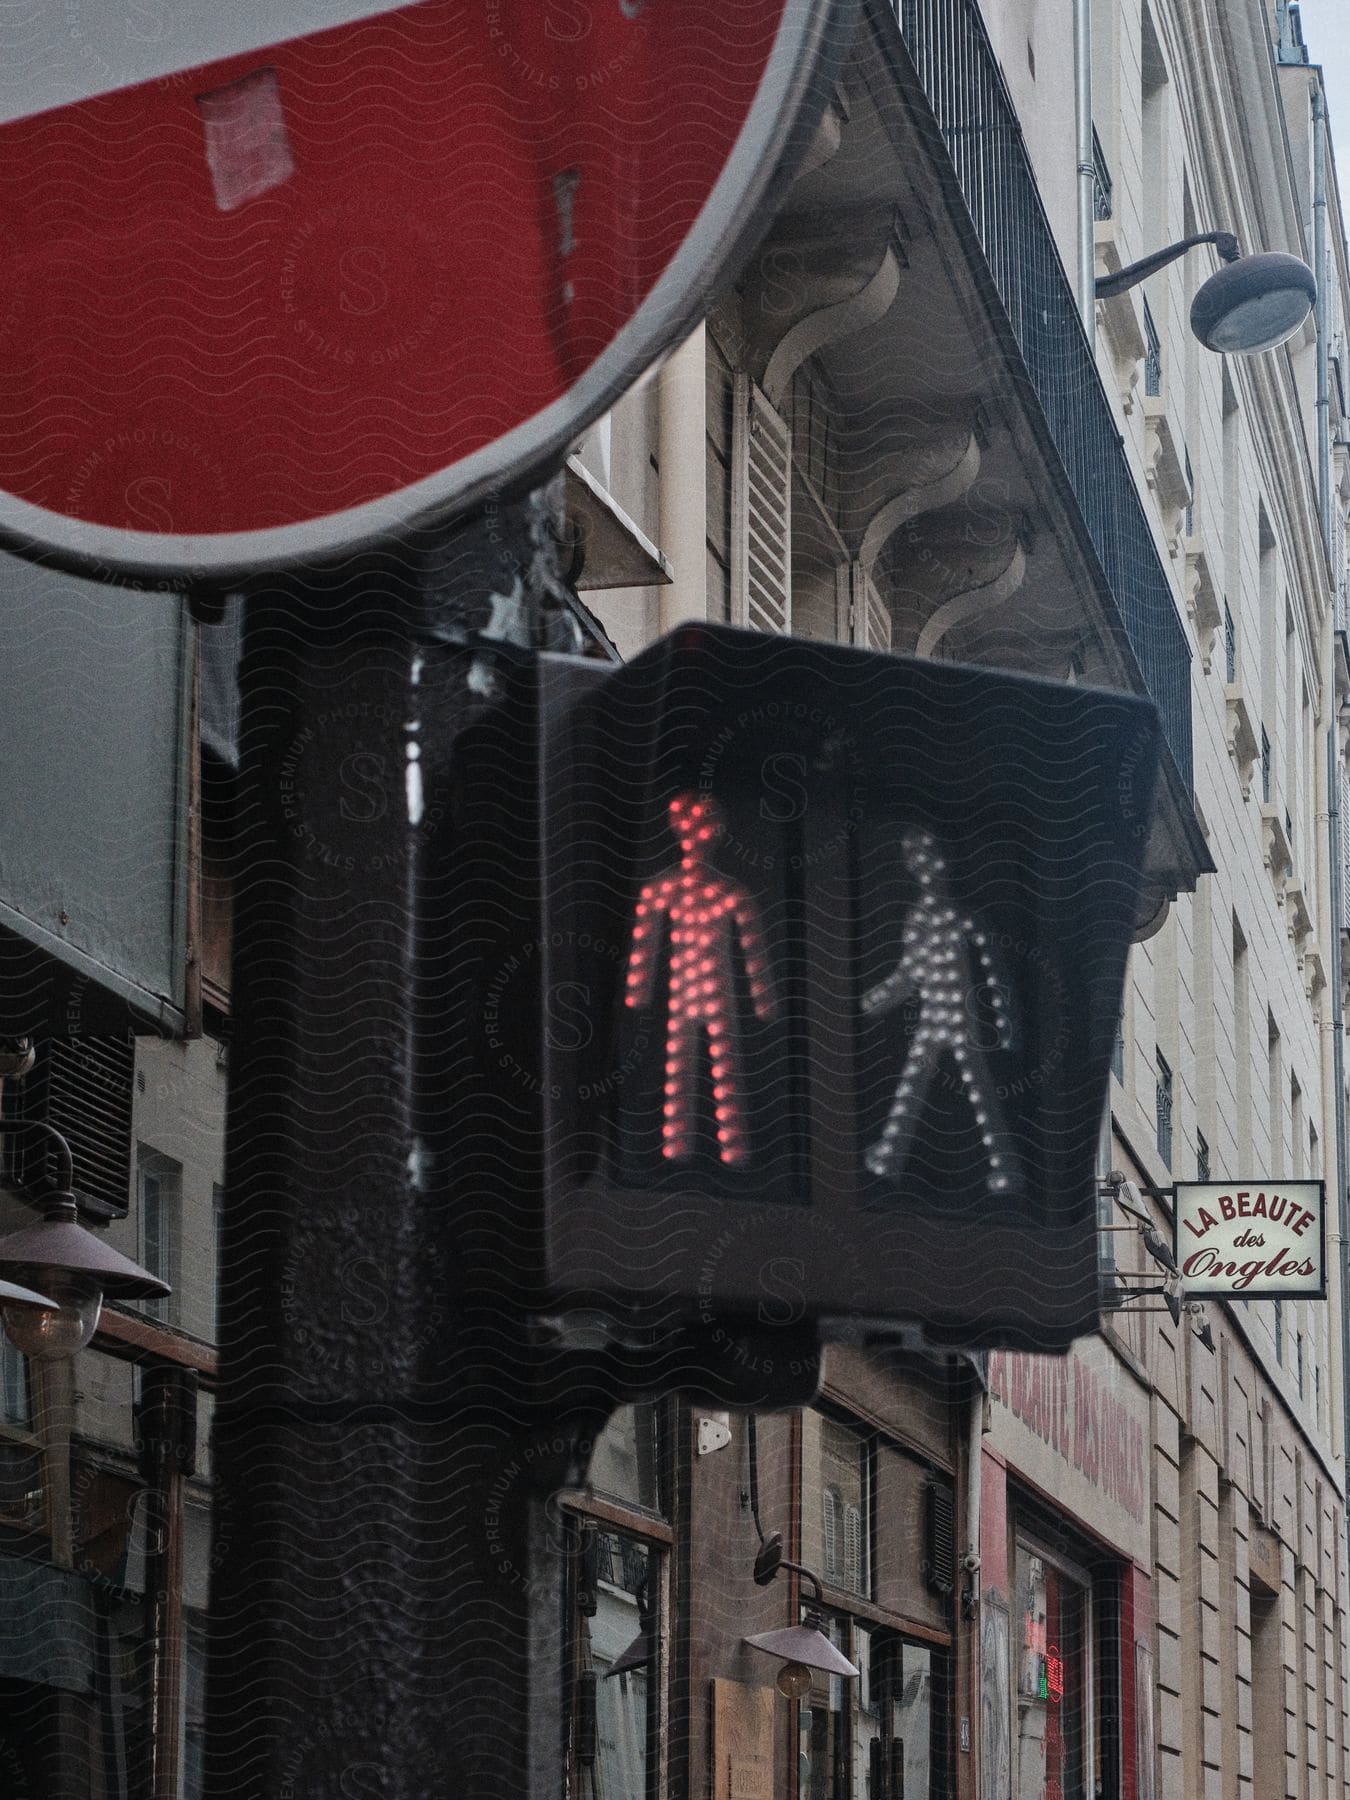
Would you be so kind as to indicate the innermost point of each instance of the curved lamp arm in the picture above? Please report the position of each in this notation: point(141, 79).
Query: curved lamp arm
point(65, 1169)
point(1108, 286)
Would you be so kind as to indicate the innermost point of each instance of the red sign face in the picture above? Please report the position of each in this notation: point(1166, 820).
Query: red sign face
point(258, 308)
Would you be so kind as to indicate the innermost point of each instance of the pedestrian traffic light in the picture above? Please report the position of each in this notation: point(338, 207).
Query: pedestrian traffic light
point(830, 978)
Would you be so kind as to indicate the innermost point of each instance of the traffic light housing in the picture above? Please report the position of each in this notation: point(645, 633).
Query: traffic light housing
point(830, 973)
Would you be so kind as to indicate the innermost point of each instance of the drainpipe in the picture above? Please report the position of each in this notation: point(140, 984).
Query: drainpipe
point(1087, 174)
point(1338, 1075)
point(1320, 312)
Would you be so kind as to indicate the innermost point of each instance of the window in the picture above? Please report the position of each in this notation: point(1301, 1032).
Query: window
point(15, 1399)
point(883, 1735)
point(836, 1461)
point(1242, 1047)
point(1101, 180)
point(625, 1464)
point(1152, 355)
point(1229, 645)
point(1190, 496)
point(615, 1574)
point(616, 1661)
point(194, 1704)
point(1163, 1098)
point(1065, 1676)
point(160, 1183)
point(1118, 1051)
point(1279, 1331)
point(1201, 1157)
point(1265, 765)
point(1298, 1353)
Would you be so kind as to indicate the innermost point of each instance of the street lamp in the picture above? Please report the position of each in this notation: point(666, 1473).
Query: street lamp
point(1252, 303)
point(68, 1263)
point(803, 1647)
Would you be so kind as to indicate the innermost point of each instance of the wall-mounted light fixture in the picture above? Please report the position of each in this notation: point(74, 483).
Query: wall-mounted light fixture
point(1251, 304)
point(803, 1647)
point(69, 1264)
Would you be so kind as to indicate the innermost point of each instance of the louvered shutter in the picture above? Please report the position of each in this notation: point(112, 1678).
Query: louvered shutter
point(853, 1549)
point(761, 512)
point(829, 1523)
point(82, 1087)
point(940, 1533)
point(864, 617)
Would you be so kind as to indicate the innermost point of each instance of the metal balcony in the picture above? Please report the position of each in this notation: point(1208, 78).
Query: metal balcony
point(959, 74)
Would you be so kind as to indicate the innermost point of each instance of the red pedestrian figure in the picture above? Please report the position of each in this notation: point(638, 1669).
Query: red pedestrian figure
point(706, 912)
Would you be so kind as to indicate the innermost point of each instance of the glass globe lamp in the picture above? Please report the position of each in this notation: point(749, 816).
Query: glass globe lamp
point(68, 1263)
point(64, 1324)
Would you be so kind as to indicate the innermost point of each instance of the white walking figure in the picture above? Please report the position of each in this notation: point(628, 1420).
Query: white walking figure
point(944, 959)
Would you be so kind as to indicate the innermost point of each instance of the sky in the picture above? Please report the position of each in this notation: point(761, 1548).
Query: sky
point(1326, 32)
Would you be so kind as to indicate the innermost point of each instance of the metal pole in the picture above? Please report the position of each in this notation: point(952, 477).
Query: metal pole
point(167, 1429)
point(1087, 170)
point(1338, 1071)
point(385, 1614)
point(1320, 313)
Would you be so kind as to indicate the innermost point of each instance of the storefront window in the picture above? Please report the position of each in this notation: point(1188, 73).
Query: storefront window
point(1058, 1745)
point(615, 1580)
point(615, 1719)
point(880, 1736)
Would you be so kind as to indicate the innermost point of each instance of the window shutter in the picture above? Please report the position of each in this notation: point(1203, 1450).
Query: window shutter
point(940, 1521)
point(853, 1549)
point(829, 1522)
point(82, 1086)
point(761, 512)
point(864, 617)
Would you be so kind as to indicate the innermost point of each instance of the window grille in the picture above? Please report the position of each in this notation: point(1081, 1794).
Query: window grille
point(1265, 765)
point(1101, 181)
point(1152, 355)
point(1229, 645)
point(1190, 497)
point(1201, 1157)
point(1163, 1095)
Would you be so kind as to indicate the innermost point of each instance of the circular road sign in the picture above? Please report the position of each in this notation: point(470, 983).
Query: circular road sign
point(261, 301)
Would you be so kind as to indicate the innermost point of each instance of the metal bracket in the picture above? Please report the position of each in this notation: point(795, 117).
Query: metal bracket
point(714, 1433)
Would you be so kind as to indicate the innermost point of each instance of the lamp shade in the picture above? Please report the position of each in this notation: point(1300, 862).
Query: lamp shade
point(803, 1644)
point(1254, 303)
point(636, 1656)
point(60, 1243)
point(11, 1294)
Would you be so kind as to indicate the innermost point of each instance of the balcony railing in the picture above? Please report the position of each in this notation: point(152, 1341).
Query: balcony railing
point(1152, 354)
point(1101, 180)
point(959, 74)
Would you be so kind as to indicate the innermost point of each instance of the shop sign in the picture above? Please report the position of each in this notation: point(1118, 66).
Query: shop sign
point(1077, 1427)
point(1254, 1239)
